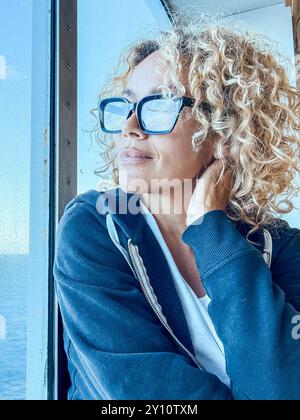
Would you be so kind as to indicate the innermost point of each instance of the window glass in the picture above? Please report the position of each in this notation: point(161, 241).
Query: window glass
point(24, 96)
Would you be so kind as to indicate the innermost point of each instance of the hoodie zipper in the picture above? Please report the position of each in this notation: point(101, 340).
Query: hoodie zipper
point(133, 250)
point(267, 247)
point(268, 258)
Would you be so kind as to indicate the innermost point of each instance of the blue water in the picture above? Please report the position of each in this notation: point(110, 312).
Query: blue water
point(13, 306)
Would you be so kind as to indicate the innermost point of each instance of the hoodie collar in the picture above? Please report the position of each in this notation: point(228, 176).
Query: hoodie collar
point(126, 211)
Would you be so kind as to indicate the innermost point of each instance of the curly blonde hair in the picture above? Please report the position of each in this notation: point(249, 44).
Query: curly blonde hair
point(254, 111)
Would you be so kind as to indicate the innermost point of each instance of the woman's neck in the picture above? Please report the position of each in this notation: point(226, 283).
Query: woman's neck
point(169, 208)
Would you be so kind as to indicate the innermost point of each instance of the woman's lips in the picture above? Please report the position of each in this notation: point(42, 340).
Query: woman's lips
point(133, 160)
point(130, 156)
point(133, 152)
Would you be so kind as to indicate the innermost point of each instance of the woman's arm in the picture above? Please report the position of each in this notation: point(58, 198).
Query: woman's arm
point(122, 347)
point(251, 313)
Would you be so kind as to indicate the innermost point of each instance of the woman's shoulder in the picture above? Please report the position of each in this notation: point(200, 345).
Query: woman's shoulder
point(91, 203)
point(280, 229)
point(285, 239)
point(284, 236)
point(88, 199)
point(281, 236)
point(286, 260)
point(83, 245)
point(83, 219)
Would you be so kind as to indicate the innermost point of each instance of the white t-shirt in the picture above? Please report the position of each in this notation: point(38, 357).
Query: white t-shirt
point(208, 348)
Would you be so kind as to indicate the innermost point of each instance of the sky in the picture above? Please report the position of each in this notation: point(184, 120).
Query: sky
point(114, 23)
point(15, 123)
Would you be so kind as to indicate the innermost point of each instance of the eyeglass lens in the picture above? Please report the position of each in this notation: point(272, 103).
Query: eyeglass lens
point(156, 114)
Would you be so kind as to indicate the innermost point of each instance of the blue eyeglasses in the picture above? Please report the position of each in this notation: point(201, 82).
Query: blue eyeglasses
point(156, 114)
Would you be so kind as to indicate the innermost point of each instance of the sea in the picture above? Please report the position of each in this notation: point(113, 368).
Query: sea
point(13, 326)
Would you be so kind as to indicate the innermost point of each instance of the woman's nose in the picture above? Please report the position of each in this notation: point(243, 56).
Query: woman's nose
point(131, 127)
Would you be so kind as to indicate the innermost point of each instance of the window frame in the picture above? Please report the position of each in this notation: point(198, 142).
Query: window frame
point(65, 178)
point(39, 317)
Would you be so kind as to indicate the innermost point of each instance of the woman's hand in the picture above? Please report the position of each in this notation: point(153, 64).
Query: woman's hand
point(207, 196)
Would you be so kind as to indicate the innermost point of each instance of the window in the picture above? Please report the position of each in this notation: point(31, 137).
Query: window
point(24, 204)
point(28, 124)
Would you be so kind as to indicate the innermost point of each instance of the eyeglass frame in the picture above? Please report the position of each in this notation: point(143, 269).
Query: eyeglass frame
point(137, 107)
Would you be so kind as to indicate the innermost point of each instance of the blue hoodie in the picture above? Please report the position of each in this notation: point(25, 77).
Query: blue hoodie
point(125, 333)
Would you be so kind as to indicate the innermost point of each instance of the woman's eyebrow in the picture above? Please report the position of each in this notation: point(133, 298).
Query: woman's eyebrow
point(129, 92)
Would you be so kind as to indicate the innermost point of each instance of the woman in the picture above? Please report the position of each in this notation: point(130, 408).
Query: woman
point(178, 302)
